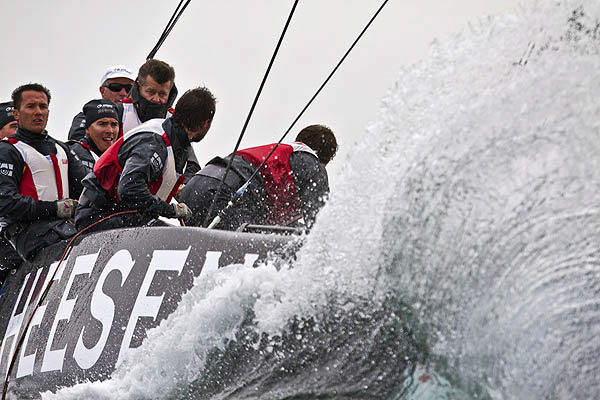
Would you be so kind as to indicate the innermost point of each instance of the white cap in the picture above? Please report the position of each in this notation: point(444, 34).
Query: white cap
point(117, 71)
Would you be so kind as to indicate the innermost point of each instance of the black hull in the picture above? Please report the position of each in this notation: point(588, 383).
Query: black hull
point(106, 294)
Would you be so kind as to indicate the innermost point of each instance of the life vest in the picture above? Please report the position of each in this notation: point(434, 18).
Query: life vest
point(44, 177)
point(108, 170)
point(283, 205)
point(130, 117)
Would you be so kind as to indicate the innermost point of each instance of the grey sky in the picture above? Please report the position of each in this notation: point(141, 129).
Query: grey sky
point(226, 45)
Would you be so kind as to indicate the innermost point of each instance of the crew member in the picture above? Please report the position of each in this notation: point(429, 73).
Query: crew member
point(8, 124)
point(152, 96)
point(293, 184)
point(9, 258)
point(115, 85)
point(134, 180)
point(38, 177)
point(101, 131)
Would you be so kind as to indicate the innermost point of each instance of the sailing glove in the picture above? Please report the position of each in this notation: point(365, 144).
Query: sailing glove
point(65, 208)
point(181, 210)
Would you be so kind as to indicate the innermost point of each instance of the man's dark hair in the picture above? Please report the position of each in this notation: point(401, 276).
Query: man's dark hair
point(194, 107)
point(321, 139)
point(160, 71)
point(17, 94)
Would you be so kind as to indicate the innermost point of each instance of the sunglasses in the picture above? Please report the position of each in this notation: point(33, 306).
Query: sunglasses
point(117, 87)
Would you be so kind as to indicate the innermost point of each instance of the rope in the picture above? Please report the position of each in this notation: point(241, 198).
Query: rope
point(262, 84)
point(168, 28)
point(240, 192)
point(45, 293)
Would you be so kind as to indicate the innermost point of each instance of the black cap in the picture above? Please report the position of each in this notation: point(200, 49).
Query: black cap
point(6, 113)
point(101, 108)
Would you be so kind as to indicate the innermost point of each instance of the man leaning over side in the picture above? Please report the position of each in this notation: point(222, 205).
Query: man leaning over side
point(292, 185)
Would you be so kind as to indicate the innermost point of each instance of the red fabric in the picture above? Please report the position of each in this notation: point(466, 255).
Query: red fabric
point(108, 170)
point(282, 200)
point(85, 146)
point(127, 100)
point(57, 176)
point(27, 187)
point(176, 188)
point(154, 186)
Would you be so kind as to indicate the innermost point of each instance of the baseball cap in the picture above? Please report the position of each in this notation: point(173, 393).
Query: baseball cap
point(117, 71)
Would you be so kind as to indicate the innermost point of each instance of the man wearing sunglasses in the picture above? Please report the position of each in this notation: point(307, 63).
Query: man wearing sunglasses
point(115, 85)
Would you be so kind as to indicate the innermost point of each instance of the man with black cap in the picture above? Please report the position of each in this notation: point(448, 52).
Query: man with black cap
point(101, 131)
point(8, 125)
point(292, 184)
point(9, 258)
point(134, 181)
point(115, 85)
point(38, 177)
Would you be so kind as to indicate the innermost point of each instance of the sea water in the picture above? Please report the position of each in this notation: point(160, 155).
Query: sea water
point(458, 258)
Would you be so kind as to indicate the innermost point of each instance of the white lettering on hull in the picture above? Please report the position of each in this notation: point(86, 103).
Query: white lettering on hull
point(102, 307)
point(53, 359)
point(148, 306)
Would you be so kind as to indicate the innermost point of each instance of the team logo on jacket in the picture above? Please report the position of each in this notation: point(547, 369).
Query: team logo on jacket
point(6, 169)
point(157, 164)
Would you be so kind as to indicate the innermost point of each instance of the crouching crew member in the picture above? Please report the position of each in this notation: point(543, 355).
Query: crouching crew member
point(101, 131)
point(142, 171)
point(38, 178)
point(293, 184)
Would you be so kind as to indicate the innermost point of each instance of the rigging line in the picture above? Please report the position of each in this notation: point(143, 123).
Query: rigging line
point(262, 84)
point(162, 35)
point(170, 21)
point(168, 28)
point(240, 192)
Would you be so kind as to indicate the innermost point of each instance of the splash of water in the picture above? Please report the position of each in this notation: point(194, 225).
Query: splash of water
point(470, 212)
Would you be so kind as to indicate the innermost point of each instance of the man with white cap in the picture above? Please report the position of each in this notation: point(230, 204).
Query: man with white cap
point(8, 124)
point(115, 85)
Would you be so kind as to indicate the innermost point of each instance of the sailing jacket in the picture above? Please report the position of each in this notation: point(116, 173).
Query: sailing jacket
point(85, 151)
point(36, 171)
point(294, 188)
point(142, 170)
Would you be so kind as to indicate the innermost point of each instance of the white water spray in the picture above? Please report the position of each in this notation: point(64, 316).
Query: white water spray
point(475, 197)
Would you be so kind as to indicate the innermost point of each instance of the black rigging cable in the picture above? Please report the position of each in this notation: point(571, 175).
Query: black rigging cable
point(240, 192)
point(168, 28)
point(262, 84)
